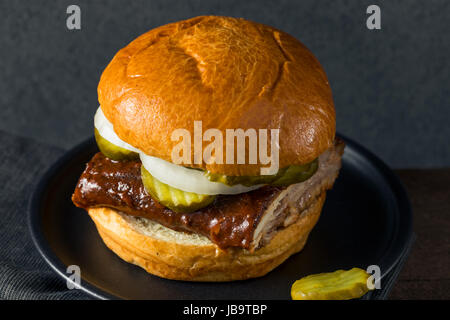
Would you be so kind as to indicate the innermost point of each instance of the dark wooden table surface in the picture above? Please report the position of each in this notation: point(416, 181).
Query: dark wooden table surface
point(426, 274)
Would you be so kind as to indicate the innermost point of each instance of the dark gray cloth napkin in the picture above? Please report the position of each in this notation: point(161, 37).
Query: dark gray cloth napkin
point(23, 272)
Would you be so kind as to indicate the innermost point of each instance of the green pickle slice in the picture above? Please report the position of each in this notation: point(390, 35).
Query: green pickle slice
point(112, 151)
point(338, 285)
point(296, 174)
point(172, 198)
point(284, 177)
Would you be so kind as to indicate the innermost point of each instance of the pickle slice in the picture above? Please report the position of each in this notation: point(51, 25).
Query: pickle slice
point(284, 177)
point(247, 181)
point(297, 174)
point(172, 198)
point(338, 285)
point(112, 151)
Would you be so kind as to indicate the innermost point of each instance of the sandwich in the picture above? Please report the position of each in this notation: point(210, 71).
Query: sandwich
point(217, 147)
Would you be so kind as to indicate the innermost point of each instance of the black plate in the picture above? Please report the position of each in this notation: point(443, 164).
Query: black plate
point(366, 220)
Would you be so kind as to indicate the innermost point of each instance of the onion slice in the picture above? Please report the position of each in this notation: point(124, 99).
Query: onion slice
point(106, 130)
point(174, 175)
point(188, 180)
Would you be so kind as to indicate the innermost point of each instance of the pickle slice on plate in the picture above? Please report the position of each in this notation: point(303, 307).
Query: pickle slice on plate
point(338, 285)
point(284, 177)
point(172, 198)
point(112, 151)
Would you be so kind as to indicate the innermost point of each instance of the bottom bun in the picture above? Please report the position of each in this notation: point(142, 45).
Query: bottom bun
point(181, 256)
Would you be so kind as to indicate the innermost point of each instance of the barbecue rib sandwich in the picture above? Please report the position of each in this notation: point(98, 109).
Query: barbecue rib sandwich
point(207, 219)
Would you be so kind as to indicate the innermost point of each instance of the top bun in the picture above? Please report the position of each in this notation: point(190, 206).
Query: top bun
point(229, 73)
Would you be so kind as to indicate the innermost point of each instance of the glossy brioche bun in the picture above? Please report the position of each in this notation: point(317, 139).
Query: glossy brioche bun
point(229, 73)
point(180, 256)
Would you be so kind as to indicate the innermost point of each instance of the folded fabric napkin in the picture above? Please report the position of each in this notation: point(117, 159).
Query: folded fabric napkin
point(23, 272)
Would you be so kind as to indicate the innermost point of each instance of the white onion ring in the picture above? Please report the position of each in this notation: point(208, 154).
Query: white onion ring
point(188, 180)
point(172, 174)
point(106, 130)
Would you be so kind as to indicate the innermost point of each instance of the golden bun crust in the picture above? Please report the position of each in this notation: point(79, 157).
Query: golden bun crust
point(180, 256)
point(229, 73)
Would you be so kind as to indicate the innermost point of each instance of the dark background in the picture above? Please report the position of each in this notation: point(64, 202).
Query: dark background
point(391, 86)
